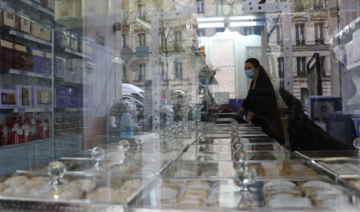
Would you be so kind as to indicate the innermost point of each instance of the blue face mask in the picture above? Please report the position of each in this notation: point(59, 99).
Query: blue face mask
point(250, 74)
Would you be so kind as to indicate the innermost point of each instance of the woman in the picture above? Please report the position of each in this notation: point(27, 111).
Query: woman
point(261, 101)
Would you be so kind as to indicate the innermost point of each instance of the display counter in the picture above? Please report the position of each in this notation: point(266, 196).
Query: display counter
point(204, 174)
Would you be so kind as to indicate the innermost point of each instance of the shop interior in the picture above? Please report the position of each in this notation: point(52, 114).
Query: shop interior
point(179, 105)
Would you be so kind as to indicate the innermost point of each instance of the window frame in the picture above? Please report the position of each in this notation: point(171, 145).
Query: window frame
point(301, 64)
point(178, 72)
point(123, 40)
point(319, 30)
point(177, 40)
point(300, 34)
point(200, 4)
point(142, 11)
point(281, 67)
point(219, 7)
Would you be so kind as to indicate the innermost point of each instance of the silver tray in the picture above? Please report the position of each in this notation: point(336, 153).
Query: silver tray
point(326, 166)
point(323, 155)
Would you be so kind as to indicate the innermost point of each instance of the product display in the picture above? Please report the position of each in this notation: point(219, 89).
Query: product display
point(23, 94)
point(42, 97)
point(14, 56)
point(8, 98)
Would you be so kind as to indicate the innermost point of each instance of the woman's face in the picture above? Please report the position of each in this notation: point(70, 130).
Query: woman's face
point(250, 66)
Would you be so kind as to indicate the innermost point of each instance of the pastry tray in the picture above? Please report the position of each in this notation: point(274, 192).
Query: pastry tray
point(240, 132)
point(226, 169)
point(124, 168)
point(138, 155)
point(213, 135)
point(48, 198)
point(320, 155)
point(163, 146)
point(211, 141)
point(227, 148)
point(251, 156)
point(223, 195)
point(330, 167)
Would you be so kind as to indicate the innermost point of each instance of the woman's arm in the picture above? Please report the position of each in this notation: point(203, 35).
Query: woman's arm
point(241, 111)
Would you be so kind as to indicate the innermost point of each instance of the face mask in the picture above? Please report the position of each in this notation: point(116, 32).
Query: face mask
point(250, 74)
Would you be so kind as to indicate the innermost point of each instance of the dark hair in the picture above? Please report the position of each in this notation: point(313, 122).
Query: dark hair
point(256, 64)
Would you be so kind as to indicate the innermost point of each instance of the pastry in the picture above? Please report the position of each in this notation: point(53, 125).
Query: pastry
point(133, 183)
point(103, 194)
point(70, 192)
point(289, 202)
point(121, 195)
point(42, 191)
point(204, 193)
point(16, 190)
point(2, 187)
point(17, 180)
point(167, 191)
point(262, 156)
point(37, 181)
point(86, 185)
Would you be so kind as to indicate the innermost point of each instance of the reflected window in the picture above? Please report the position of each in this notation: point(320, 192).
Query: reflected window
point(162, 71)
point(322, 66)
point(319, 36)
point(219, 9)
point(178, 41)
point(248, 31)
point(124, 40)
point(201, 32)
point(124, 76)
point(142, 71)
point(142, 11)
point(318, 5)
point(281, 67)
point(142, 39)
point(279, 34)
point(301, 72)
point(300, 38)
point(220, 30)
point(161, 41)
point(178, 70)
point(200, 6)
point(125, 17)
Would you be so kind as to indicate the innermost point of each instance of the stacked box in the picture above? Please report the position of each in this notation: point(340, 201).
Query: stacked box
point(60, 96)
point(60, 67)
point(86, 46)
point(14, 56)
point(62, 39)
point(70, 97)
point(42, 60)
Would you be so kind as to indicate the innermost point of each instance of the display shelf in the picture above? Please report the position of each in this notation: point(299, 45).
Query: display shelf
point(38, 7)
point(34, 110)
point(78, 54)
point(26, 73)
point(27, 37)
point(77, 109)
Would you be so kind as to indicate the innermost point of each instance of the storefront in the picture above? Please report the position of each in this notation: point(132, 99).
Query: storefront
point(160, 105)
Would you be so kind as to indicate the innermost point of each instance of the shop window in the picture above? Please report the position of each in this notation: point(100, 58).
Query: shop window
point(124, 40)
point(319, 36)
point(219, 9)
point(200, 6)
point(300, 38)
point(142, 71)
point(142, 12)
point(201, 32)
point(178, 70)
point(178, 41)
point(281, 67)
point(301, 71)
point(248, 31)
point(322, 66)
point(142, 39)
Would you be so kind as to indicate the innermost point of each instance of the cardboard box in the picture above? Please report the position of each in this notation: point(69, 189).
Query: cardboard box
point(27, 133)
point(43, 129)
point(8, 20)
point(41, 32)
point(16, 134)
point(8, 99)
point(42, 97)
point(4, 135)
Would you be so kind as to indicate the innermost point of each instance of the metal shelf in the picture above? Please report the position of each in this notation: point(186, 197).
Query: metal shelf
point(38, 7)
point(78, 54)
point(23, 110)
point(27, 73)
point(28, 37)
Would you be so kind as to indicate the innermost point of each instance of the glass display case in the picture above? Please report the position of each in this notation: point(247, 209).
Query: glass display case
point(133, 105)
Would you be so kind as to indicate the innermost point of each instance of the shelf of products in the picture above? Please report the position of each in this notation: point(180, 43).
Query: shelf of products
point(28, 37)
point(36, 6)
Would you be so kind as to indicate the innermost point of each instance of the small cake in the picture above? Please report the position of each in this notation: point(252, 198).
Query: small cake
point(86, 185)
point(136, 183)
point(37, 181)
point(17, 180)
point(120, 195)
point(204, 193)
point(167, 191)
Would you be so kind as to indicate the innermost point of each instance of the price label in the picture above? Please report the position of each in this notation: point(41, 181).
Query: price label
point(19, 34)
point(23, 73)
